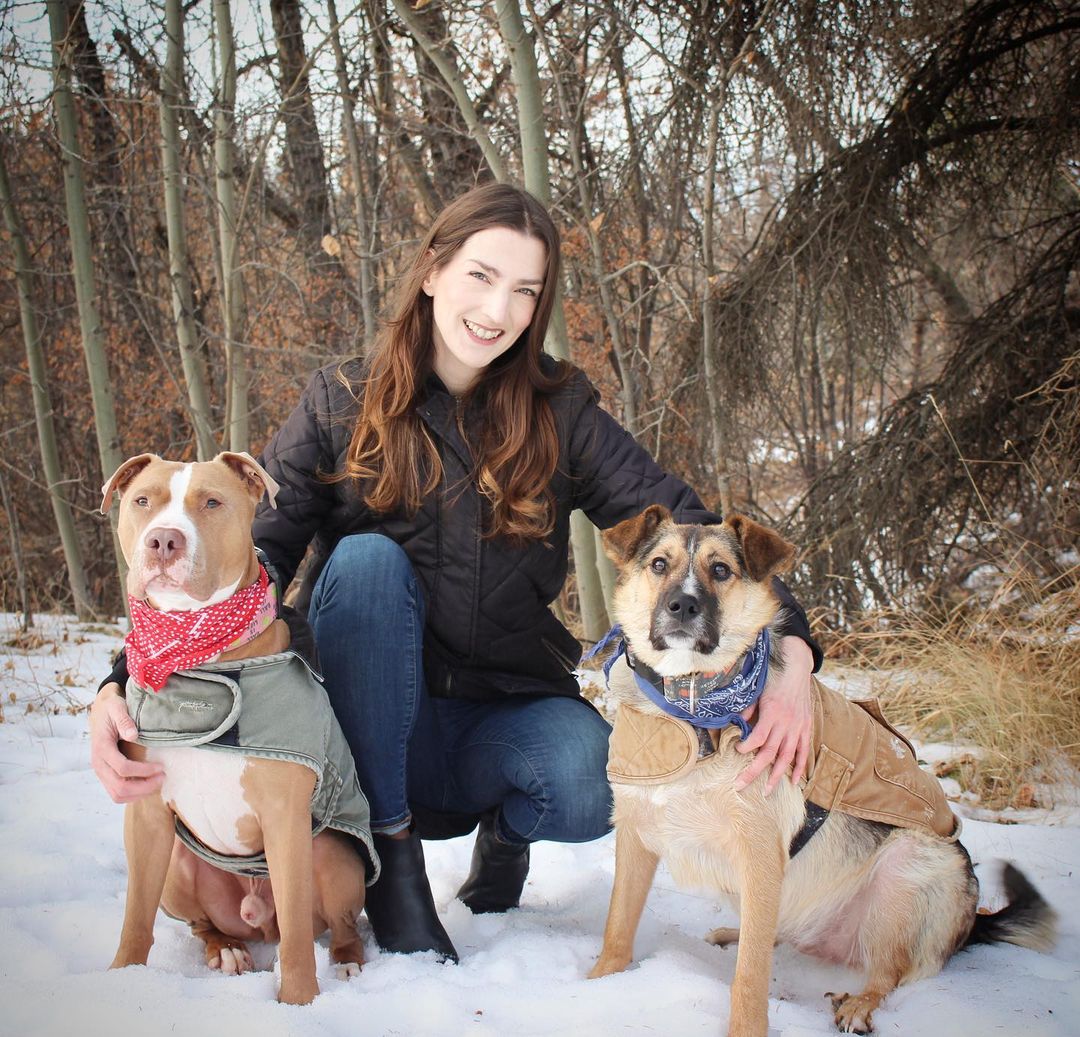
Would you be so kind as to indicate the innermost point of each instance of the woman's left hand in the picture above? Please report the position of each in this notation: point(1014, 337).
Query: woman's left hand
point(784, 722)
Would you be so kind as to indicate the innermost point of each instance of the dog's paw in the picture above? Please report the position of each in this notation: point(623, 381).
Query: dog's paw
point(722, 937)
point(232, 961)
point(347, 969)
point(852, 1012)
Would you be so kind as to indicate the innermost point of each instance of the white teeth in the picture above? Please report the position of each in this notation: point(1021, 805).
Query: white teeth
point(481, 332)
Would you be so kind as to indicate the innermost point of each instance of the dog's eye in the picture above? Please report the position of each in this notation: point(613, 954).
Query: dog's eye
point(213, 502)
point(659, 565)
point(142, 502)
point(721, 571)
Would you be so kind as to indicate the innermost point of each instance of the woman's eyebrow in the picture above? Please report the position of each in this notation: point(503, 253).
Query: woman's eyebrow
point(496, 273)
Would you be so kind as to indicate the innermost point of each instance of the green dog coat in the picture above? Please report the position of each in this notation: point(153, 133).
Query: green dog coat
point(271, 706)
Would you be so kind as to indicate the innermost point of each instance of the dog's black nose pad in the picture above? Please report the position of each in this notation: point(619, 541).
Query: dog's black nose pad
point(685, 606)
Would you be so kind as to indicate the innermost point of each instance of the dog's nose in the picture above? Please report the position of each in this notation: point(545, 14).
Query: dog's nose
point(166, 543)
point(683, 606)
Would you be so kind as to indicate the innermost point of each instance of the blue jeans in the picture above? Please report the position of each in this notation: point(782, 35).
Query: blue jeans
point(540, 761)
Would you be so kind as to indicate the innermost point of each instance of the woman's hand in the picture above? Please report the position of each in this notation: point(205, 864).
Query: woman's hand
point(784, 723)
point(124, 780)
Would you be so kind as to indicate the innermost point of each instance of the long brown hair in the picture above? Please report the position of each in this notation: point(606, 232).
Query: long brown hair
point(516, 449)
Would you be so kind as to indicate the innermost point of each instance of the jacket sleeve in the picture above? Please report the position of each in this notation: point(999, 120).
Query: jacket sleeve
point(299, 454)
point(615, 478)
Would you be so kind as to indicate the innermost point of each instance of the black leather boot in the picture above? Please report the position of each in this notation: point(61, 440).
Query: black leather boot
point(400, 906)
point(497, 874)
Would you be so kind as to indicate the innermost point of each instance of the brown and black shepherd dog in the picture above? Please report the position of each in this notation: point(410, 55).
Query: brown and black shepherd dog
point(895, 902)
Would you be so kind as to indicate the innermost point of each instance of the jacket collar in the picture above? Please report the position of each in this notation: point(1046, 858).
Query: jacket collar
point(438, 409)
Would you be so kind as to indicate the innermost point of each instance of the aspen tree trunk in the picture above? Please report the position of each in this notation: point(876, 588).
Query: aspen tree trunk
point(21, 586)
point(576, 130)
point(104, 150)
point(708, 334)
point(172, 75)
point(456, 84)
point(365, 280)
point(235, 308)
point(43, 413)
point(93, 337)
point(383, 74)
point(530, 104)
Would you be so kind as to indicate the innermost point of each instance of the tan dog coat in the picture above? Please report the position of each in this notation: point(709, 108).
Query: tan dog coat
point(861, 764)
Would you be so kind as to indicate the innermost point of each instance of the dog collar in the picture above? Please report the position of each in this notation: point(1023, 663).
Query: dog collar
point(161, 642)
point(712, 702)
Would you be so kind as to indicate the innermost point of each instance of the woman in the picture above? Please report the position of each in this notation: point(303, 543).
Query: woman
point(435, 483)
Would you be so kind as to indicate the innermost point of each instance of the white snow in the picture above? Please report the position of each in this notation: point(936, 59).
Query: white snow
point(61, 900)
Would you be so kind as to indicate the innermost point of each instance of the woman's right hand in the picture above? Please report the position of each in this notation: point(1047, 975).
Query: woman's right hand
point(125, 780)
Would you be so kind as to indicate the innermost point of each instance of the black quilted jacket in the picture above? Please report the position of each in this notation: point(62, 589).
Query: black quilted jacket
point(489, 629)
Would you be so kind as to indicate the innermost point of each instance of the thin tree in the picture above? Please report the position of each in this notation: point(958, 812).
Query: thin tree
point(365, 275)
point(303, 146)
point(22, 587)
point(172, 74)
point(93, 338)
point(234, 310)
point(534, 157)
point(456, 84)
point(43, 411)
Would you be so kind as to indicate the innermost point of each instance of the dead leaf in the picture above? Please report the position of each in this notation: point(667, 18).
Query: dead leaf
point(1025, 797)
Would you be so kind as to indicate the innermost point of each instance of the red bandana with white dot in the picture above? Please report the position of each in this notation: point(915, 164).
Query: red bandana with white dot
point(160, 643)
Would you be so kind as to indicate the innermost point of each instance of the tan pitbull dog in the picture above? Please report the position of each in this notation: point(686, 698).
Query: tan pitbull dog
point(185, 531)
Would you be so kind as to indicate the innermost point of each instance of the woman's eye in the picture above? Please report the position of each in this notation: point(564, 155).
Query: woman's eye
point(479, 274)
point(659, 565)
point(721, 571)
point(530, 292)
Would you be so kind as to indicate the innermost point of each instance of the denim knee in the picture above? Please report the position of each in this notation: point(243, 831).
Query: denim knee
point(570, 798)
point(369, 569)
point(589, 816)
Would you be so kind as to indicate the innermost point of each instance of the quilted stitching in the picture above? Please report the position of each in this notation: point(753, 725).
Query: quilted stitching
point(647, 749)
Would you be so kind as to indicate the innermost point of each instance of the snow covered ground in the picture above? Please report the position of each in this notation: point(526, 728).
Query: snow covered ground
point(62, 876)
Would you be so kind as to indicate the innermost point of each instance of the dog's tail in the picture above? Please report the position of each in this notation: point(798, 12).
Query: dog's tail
point(1026, 920)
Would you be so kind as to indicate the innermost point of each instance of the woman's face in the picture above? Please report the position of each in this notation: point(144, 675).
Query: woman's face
point(482, 300)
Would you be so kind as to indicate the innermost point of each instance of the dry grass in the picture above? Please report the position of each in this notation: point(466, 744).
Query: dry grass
point(1005, 679)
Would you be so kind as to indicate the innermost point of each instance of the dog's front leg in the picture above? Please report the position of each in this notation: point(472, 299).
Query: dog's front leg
point(281, 794)
point(761, 861)
point(635, 867)
point(148, 840)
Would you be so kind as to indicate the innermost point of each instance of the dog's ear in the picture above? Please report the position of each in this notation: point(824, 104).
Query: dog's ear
point(765, 552)
point(122, 476)
point(622, 541)
point(257, 480)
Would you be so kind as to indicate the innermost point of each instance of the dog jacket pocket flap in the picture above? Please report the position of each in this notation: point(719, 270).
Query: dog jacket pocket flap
point(646, 749)
point(829, 780)
point(193, 708)
point(917, 799)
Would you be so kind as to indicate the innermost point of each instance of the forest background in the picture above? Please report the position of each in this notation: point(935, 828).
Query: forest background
point(820, 258)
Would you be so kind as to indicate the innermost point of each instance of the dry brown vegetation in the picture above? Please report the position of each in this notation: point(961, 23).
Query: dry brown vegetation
point(1003, 679)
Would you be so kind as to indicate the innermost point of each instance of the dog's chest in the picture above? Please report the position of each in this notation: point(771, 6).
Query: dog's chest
point(689, 822)
point(206, 789)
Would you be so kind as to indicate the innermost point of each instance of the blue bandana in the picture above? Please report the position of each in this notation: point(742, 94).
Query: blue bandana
point(707, 702)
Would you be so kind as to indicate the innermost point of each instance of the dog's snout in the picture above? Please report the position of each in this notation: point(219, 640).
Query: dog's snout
point(684, 606)
point(166, 543)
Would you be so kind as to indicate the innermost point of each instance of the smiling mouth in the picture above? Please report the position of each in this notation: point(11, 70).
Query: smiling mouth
point(478, 331)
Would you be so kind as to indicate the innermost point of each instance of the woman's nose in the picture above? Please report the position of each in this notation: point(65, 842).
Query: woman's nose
point(497, 306)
